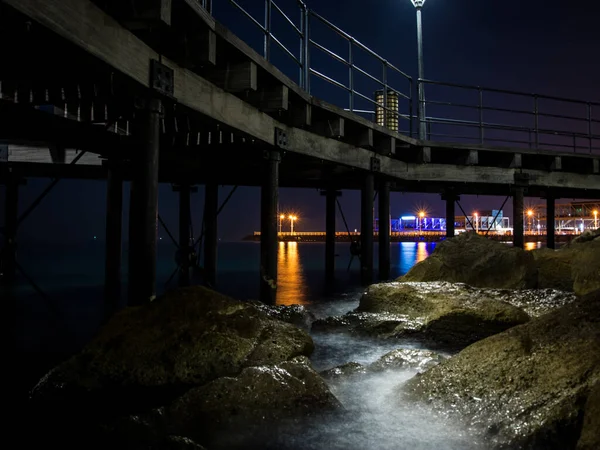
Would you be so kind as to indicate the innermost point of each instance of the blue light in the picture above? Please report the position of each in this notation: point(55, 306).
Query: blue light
point(408, 217)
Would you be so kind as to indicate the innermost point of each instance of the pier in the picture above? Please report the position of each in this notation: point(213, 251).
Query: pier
point(164, 93)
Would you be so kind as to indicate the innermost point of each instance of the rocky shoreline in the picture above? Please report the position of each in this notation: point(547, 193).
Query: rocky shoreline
point(519, 362)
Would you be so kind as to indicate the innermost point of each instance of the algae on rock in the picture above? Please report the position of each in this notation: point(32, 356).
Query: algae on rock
point(525, 387)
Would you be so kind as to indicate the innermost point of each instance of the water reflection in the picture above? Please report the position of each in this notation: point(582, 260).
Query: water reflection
point(291, 285)
point(413, 252)
point(532, 245)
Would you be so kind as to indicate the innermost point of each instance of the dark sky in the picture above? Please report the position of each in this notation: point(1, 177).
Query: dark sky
point(545, 46)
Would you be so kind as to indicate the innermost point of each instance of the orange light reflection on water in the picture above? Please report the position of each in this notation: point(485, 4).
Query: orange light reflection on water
point(291, 285)
point(422, 252)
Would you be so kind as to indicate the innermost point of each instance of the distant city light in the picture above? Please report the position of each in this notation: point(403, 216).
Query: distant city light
point(408, 217)
point(530, 212)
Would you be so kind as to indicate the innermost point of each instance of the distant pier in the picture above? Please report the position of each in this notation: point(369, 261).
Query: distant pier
point(401, 236)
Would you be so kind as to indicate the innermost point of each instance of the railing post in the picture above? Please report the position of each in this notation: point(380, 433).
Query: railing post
point(537, 121)
point(267, 44)
point(385, 95)
point(306, 49)
point(351, 73)
point(589, 118)
point(481, 134)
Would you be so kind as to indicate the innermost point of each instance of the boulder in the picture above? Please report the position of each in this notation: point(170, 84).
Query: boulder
point(344, 371)
point(590, 433)
point(147, 357)
point(239, 411)
point(407, 358)
point(451, 315)
point(575, 267)
point(477, 261)
point(295, 314)
point(526, 387)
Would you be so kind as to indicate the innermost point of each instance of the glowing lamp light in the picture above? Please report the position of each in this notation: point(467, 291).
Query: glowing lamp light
point(282, 216)
point(418, 3)
point(530, 213)
point(421, 214)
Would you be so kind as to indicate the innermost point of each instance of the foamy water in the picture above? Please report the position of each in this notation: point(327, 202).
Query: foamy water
point(375, 414)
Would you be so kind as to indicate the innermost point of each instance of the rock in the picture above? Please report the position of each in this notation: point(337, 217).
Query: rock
point(446, 313)
point(575, 268)
point(586, 236)
point(406, 358)
point(233, 412)
point(295, 314)
point(534, 302)
point(525, 387)
point(590, 433)
point(477, 261)
point(146, 357)
point(344, 371)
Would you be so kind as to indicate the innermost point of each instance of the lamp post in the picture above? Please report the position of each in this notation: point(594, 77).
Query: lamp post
point(281, 217)
point(418, 4)
point(476, 222)
point(292, 218)
point(595, 219)
point(529, 214)
point(421, 217)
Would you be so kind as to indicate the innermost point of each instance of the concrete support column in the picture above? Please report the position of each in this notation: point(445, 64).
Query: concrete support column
point(384, 230)
point(185, 216)
point(11, 218)
point(114, 244)
point(143, 213)
point(550, 222)
point(211, 206)
point(330, 204)
point(518, 224)
point(269, 200)
point(366, 230)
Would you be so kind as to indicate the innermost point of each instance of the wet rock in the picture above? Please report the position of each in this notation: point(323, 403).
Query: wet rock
point(295, 314)
point(451, 314)
point(477, 261)
point(534, 302)
point(344, 371)
point(576, 267)
point(148, 356)
point(590, 433)
point(525, 387)
point(233, 412)
point(586, 236)
point(405, 358)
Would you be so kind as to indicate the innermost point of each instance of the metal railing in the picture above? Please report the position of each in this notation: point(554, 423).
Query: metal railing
point(307, 43)
point(480, 116)
point(479, 120)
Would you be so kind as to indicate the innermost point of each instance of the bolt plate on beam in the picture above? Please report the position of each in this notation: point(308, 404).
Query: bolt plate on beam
point(162, 78)
point(281, 138)
point(375, 164)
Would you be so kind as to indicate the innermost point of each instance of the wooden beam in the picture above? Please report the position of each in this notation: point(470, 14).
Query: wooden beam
point(199, 48)
point(384, 144)
point(332, 127)
point(270, 98)
point(517, 161)
point(469, 158)
point(301, 115)
point(142, 14)
point(556, 163)
point(238, 77)
point(84, 24)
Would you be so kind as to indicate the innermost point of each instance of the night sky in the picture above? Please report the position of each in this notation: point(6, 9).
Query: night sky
point(544, 46)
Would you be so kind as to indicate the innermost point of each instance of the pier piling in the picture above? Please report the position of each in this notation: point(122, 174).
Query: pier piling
point(114, 219)
point(366, 230)
point(11, 211)
point(384, 230)
point(518, 221)
point(550, 222)
point(268, 227)
point(330, 204)
point(143, 213)
point(451, 200)
point(211, 200)
point(184, 234)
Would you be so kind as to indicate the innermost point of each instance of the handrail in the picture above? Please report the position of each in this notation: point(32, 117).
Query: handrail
point(392, 104)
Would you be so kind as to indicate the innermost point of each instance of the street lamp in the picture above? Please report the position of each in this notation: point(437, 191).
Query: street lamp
point(418, 4)
point(292, 218)
point(281, 217)
point(476, 222)
point(421, 216)
point(595, 219)
point(529, 214)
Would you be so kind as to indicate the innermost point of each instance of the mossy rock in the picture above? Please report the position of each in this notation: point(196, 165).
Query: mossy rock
point(477, 261)
point(239, 411)
point(590, 433)
point(145, 356)
point(526, 387)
